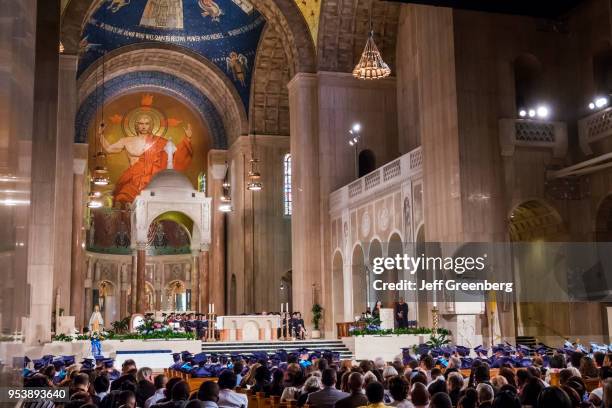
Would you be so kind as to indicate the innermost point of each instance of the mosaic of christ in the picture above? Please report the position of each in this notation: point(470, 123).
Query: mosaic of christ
point(135, 139)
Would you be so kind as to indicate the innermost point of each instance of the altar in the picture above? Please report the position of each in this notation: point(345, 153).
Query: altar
point(248, 327)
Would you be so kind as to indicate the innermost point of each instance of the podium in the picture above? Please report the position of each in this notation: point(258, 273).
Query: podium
point(387, 320)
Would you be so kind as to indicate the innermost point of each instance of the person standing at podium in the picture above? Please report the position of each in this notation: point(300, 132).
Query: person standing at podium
point(401, 314)
point(376, 311)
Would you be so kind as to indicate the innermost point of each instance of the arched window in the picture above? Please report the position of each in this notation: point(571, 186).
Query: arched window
point(602, 72)
point(287, 184)
point(527, 81)
point(367, 162)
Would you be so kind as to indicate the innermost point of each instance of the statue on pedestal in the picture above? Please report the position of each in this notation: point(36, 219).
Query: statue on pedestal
point(96, 322)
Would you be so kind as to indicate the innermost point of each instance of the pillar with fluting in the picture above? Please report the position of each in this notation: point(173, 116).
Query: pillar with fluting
point(125, 284)
point(306, 219)
point(216, 259)
point(67, 170)
point(133, 291)
point(89, 277)
point(204, 277)
point(77, 258)
point(141, 299)
point(43, 177)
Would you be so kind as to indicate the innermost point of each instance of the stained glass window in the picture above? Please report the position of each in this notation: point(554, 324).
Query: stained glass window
point(287, 184)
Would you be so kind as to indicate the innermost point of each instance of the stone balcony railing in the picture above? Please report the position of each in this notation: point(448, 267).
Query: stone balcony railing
point(594, 127)
point(532, 133)
point(384, 178)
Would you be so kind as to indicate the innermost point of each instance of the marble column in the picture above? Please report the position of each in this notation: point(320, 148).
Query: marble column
point(43, 178)
point(215, 287)
point(77, 272)
point(204, 278)
point(87, 285)
point(133, 282)
point(196, 293)
point(141, 301)
point(65, 168)
point(306, 218)
point(123, 278)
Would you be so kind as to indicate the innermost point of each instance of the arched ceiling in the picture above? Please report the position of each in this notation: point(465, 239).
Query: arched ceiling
point(343, 31)
point(269, 112)
point(225, 32)
point(203, 75)
point(284, 15)
point(534, 220)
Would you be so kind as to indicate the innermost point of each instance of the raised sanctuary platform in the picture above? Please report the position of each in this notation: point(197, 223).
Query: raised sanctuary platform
point(369, 347)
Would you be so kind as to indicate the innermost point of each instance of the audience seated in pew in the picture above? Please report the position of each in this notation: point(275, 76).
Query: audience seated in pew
point(563, 379)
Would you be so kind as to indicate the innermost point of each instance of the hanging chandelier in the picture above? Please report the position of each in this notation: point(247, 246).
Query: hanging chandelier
point(99, 175)
point(226, 200)
point(254, 183)
point(371, 64)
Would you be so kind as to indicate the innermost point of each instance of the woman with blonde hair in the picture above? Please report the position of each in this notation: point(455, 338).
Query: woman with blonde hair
point(249, 378)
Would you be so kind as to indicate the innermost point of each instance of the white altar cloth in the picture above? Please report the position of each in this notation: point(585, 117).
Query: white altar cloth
point(248, 327)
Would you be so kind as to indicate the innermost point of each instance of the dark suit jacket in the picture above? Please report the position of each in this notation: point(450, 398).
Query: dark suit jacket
point(326, 398)
point(352, 401)
point(144, 390)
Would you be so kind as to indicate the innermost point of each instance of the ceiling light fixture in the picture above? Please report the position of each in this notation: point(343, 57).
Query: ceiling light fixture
point(371, 64)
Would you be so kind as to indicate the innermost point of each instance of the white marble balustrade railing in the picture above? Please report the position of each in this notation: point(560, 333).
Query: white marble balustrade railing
point(594, 127)
point(532, 133)
point(384, 178)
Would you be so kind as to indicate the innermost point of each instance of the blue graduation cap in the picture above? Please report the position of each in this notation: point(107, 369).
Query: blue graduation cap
point(200, 358)
point(58, 363)
point(581, 348)
point(176, 357)
point(466, 362)
point(108, 362)
point(423, 349)
point(40, 363)
point(463, 351)
point(498, 348)
point(524, 349)
point(281, 355)
point(99, 358)
point(448, 350)
point(186, 356)
point(406, 356)
point(480, 350)
point(315, 355)
point(260, 355)
point(69, 360)
point(87, 364)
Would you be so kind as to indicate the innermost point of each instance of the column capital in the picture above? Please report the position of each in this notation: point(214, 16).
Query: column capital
point(140, 246)
point(204, 247)
point(302, 79)
point(78, 166)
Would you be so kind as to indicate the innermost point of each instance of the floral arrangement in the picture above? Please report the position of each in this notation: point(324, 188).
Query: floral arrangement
point(377, 331)
point(148, 330)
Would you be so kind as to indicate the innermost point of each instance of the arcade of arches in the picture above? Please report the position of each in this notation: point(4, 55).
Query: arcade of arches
point(126, 126)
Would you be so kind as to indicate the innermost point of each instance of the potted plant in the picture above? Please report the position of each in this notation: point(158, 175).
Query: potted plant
point(317, 314)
